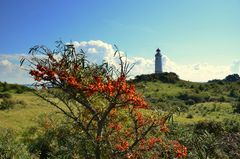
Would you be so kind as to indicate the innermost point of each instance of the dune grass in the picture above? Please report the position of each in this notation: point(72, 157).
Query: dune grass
point(23, 116)
point(156, 93)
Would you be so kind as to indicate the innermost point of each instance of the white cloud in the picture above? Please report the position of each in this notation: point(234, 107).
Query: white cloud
point(5, 63)
point(235, 67)
point(197, 72)
point(142, 66)
point(98, 51)
point(201, 72)
point(11, 72)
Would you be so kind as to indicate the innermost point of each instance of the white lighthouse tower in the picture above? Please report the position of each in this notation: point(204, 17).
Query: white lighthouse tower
point(158, 61)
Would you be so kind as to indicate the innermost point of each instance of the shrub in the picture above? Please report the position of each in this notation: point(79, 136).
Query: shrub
point(206, 145)
point(5, 95)
point(213, 127)
point(20, 102)
point(201, 87)
point(177, 106)
point(190, 102)
point(9, 147)
point(102, 106)
point(7, 104)
point(230, 143)
point(232, 126)
point(236, 107)
point(233, 93)
point(189, 116)
point(232, 78)
point(5, 87)
point(166, 77)
point(52, 138)
point(195, 98)
point(19, 90)
point(222, 99)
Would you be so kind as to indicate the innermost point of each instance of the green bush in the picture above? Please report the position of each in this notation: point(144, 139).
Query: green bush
point(5, 87)
point(206, 145)
point(7, 104)
point(20, 102)
point(232, 126)
point(232, 78)
point(189, 116)
point(193, 97)
point(56, 139)
point(203, 144)
point(19, 90)
point(201, 87)
point(190, 102)
point(10, 148)
point(233, 93)
point(230, 144)
point(5, 95)
point(236, 108)
point(212, 127)
point(222, 99)
point(166, 77)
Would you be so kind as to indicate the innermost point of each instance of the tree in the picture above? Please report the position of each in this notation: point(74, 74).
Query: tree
point(232, 78)
point(111, 117)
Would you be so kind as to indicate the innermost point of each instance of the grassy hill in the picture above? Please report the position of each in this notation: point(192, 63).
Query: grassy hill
point(191, 102)
point(206, 118)
point(20, 107)
point(214, 100)
point(207, 115)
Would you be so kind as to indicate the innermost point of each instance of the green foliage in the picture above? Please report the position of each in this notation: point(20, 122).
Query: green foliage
point(232, 78)
point(204, 141)
point(190, 116)
point(197, 102)
point(206, 145)
point(230, 144)
point(234, 93)
point(107, 117)
point(211, 127)
point(190, 102)
point(216, 81)
point(164, 77)
point(7, 104)
point(5, 95)
point(52, 138)
point(5, 87)
point(11, 148)
point(237, 107)
point(192, 98)
point(231, 126)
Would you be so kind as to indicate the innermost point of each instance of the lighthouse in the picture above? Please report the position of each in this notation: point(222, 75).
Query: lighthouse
point(158, 61)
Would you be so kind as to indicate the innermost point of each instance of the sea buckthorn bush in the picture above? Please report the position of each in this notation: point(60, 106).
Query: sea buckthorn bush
point(106, 112)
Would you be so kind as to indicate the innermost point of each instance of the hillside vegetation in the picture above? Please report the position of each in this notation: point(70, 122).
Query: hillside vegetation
point(20, 107)
point(206, 115)
point(216, 100)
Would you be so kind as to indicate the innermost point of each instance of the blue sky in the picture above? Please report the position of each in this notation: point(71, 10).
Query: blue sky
point(187, 31)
